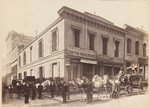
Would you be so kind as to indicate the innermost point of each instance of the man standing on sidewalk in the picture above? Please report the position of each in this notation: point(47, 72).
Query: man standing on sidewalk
point(40, 90)
point(10, 92)
point(65, 91)
point(52, 88)
point(19, 91)
point(89, 92)
point(26, 94)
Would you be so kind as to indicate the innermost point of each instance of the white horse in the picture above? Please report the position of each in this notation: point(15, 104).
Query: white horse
point(100, 83)
point(81, 85)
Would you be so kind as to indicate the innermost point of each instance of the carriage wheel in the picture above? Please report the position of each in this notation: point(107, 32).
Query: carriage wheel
point(129, 89)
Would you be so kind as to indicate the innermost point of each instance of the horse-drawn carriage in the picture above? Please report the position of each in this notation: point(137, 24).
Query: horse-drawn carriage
point(129, 83)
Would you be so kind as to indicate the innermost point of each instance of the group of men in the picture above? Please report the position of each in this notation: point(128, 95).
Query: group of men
point(31, 90)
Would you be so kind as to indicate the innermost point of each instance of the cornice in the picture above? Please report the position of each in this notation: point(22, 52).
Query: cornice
point(90, 21)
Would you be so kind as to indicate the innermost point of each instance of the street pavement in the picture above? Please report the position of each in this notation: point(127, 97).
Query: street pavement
point(134, 101)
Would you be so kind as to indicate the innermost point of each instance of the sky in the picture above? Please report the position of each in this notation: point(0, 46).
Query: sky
point(29, 16)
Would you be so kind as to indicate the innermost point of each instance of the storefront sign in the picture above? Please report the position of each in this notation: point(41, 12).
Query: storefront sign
point(88, 61)
point(81, 52)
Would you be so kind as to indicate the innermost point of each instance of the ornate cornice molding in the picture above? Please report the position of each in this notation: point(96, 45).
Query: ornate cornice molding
point(68, 13)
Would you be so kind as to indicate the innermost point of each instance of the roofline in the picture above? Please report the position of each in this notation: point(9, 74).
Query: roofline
point(75, 11)
point(45, 30)
point(137, 29)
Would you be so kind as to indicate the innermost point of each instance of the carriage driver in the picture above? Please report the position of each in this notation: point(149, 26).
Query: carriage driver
point(89, 91)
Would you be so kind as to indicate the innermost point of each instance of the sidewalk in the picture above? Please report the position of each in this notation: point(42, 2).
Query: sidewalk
point(77, 97)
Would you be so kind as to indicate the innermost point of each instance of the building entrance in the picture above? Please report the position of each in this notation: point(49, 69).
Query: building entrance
point(87, 71)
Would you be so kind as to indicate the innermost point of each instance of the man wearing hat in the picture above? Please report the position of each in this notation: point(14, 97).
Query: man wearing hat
point(65, 90)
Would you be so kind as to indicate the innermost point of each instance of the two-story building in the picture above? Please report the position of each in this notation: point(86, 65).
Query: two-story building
point(136, 51)
point(82, 44)
point(75, 45)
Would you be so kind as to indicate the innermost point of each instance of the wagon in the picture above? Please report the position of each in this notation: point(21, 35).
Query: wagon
point(131, 82)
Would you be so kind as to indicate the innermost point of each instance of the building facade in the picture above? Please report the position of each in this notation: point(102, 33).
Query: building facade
point(15, 43)
point(75, 45)
point(136, 51)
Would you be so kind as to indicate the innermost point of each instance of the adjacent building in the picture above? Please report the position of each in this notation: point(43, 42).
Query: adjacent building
point(82, 44)
point(15, 43)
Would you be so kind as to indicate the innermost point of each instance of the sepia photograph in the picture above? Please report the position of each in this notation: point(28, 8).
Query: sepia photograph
point(74, 53)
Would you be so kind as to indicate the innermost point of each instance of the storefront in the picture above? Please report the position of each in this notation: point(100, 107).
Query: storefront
point(87, 63)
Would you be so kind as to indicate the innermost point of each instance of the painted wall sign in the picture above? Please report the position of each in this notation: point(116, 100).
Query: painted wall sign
point(88, 61)
point(81, 52)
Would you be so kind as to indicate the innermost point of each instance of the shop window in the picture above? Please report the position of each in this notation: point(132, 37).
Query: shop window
point(41, 48)
point(91, 41)
point(105, 41)
point(55, 72)
point(31, 72)
point(77, 37)
point(136, 48)
point(24, 58)
point(129, 46)
point(25, 74)
point(144, 50)
point(41, 72)
point(116, 71)
point(116, 49)
point(20, 76)
point(108, 71)
point(75, 71)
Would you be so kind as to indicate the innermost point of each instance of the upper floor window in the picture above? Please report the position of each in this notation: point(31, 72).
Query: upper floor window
point(136, 48)
point(19, 61)
point(24, 58)
point(144, 50)
point(91, 41)
point(116, 51)
point(30, 53)
point(129, 46)
point(77, 37)
point(105, 41)
point(54, 40)
point(41, 48)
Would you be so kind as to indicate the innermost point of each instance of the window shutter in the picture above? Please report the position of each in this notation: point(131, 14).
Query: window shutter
point(50, 43)
point(58, 67)
point(57, 40)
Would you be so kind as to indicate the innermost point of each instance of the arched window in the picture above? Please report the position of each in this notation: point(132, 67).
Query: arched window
point(129, 45)
point(144, 50)
point(136, 48)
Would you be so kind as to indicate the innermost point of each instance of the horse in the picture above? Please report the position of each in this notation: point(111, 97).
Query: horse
point(81, 84)
point(44, 84)
point(100, 84)
point(115, 83)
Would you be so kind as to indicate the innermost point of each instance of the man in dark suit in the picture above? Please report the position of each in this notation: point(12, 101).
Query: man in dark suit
point(26, 94)
point(52, 89)
point(89, 92)
point(65, 91)
point(59, 88)
point(40, 90)
point(19, 89)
